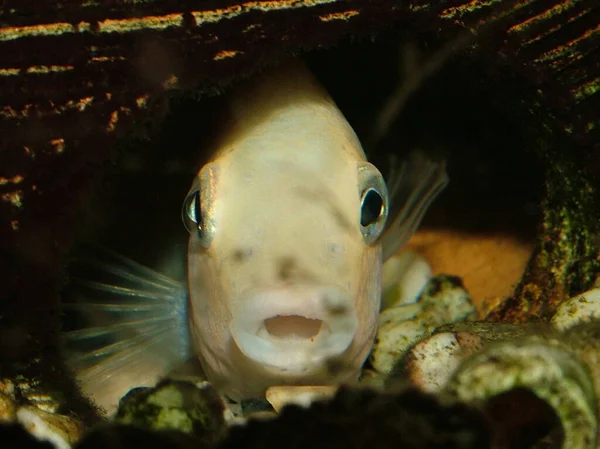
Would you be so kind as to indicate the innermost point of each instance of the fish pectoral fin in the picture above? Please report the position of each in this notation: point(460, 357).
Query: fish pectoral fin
point(124, 325)
point(405, 275)
point(412, 185)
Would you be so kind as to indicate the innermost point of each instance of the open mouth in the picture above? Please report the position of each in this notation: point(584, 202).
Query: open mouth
point(294, 330)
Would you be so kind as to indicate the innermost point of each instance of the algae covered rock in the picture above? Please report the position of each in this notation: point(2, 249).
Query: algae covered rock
point(544, 366)
point(360, 418)
point(443, 301)
point(187, 407)
point(430, 363)
point(577, 310)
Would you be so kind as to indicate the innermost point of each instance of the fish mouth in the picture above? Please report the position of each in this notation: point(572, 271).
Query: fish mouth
point(294, 330)
point(292, 327)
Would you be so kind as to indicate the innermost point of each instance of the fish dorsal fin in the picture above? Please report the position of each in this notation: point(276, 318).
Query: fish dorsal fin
point(412, 185)
point(124, 325)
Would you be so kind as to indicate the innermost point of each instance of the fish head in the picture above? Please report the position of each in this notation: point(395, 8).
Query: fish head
point(284, 261)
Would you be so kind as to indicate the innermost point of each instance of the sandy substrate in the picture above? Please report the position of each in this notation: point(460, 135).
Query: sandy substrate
point(490, 265)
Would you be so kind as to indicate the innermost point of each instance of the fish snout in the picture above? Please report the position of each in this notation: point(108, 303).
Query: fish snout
point(294, 330)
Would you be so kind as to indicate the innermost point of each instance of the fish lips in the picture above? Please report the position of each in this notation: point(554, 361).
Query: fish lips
point(295, 330)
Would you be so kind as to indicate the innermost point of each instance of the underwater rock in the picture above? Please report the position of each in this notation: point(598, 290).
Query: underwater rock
point(431, 362)
point(553, 373)
point(8, 409)
point(255, 405)
point(62, 431)
point(444, 300)
point(37, 414)
point(191, 408)
point(579, 321)
point(352, 419)
point(584, 340)
point(543, 365)
point(364, 418)
point(580, 309)
point(257, 408)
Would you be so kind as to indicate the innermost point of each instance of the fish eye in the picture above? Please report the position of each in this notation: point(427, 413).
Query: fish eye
point(371, 207)
point(374, 203)
point(192, 213)
point(193, 220)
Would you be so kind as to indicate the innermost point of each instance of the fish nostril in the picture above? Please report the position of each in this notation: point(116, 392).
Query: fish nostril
point(293, 327)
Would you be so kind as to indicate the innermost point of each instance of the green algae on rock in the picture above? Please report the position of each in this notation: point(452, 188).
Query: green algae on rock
point(498, 365)
point(546, 367)
point(353, 419)
point(188, 407)
point(567, 258)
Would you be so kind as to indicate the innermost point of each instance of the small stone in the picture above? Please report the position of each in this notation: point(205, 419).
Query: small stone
point(280, 396)
point(62, 431)
point(7, 387)
point(405, 275)
point(255, 405)
point(8, 409)
point(189, 407)
point(578, 310)
point(430, 363)
point(443, 301)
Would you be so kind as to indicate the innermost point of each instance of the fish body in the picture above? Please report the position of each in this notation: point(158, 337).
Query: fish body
point(282, 276)
point(289, 227)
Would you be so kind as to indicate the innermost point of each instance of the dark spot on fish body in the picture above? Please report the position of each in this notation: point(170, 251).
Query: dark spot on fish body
point(241, 255)
point(334, 308)
point(286, 268)
point(340, 219)
point(337, 310)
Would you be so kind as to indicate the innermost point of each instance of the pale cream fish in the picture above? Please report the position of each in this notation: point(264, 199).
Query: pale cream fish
point(289, 227)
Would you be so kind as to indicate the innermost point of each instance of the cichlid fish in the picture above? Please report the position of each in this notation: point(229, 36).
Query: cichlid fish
point(289, 227)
